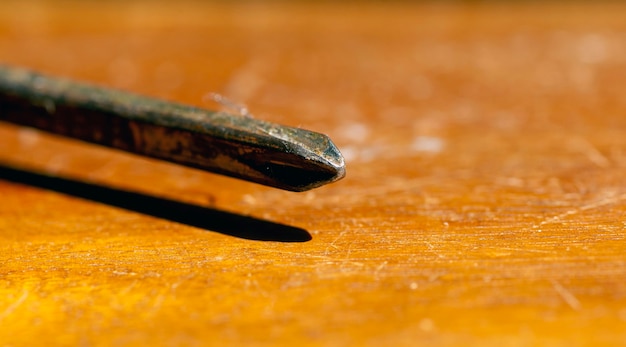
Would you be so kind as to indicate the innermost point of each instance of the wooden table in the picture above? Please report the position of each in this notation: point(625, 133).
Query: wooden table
point(484, 203)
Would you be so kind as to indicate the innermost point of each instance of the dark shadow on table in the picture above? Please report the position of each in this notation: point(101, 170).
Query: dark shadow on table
point(197, 216)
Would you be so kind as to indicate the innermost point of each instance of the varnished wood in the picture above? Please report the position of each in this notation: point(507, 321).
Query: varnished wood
point(484, 203)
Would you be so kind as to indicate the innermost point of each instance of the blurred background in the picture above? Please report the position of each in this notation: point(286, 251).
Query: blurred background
point(388, 81)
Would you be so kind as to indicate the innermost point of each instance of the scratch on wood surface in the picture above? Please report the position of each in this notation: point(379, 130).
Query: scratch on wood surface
point(332, 244)
point(530, 250)
point(13, 306)
point(347, 258)
point(379, 268)
point(566, 295)
point(329, 260)
point(602, 202)
point(593, 153)
point(127, 289)
point(157, 302)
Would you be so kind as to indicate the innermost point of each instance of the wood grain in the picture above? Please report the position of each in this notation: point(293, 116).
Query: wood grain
point(484, 201)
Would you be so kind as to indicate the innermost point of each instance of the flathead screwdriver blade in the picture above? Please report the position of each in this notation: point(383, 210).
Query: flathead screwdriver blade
point(237, 146)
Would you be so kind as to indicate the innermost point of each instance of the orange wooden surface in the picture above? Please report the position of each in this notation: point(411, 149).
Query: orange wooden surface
point(484, 202)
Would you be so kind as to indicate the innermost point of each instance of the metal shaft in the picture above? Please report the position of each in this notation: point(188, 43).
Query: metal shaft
point(250, 149)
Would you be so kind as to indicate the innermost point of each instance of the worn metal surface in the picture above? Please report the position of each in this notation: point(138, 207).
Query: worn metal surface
point(242, 147)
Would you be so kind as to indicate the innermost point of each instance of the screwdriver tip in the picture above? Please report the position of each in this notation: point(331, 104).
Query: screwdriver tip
point(307, 160)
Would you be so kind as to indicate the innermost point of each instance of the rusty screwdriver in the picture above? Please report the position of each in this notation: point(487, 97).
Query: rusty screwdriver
point(242, 147)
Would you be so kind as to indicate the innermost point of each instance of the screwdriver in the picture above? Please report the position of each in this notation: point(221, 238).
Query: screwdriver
point(233, 145)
